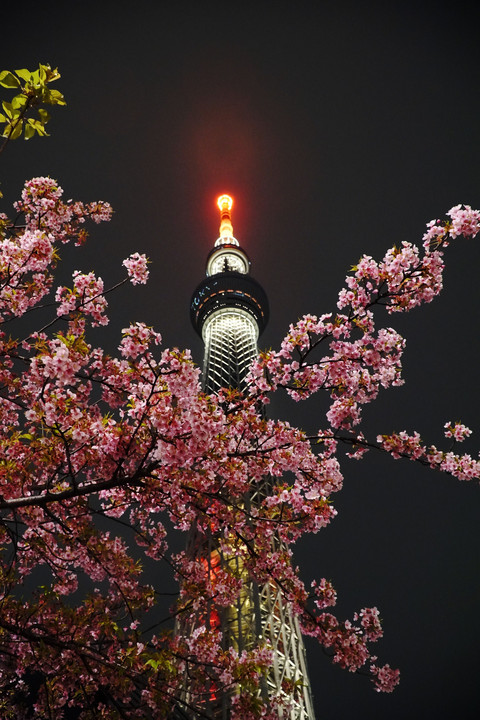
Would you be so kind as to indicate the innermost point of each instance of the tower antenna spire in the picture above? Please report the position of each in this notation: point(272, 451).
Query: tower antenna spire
point(225, 203)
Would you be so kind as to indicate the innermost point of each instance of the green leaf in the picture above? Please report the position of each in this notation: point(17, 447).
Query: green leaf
point(44, 115)
point(19, 101)
point(24, 74)
point(2, 118)
point(55, 98)
point(8, 79)
point(38, 126)
point(54, 75)
point(7, 108)
point(16, 114)
point(153, 663)
point(29, 131)
point(18, 130)
point(35, 78)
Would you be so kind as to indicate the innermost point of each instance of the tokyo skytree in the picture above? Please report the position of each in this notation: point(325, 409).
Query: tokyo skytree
point(229, 310)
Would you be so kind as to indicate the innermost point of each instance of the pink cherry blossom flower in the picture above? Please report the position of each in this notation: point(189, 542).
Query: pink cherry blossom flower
point(136, 265)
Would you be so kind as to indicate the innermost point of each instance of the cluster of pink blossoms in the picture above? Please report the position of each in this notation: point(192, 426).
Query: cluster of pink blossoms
point(42, 203)
point(456, 430)
point(386, 678)
point(132, 440)
point(28, 252)
point(370, 622)
point(402, 445)
point(136, 338)
point(25, 262)
point(137, 270)
point(463, 221)
point(86, 296)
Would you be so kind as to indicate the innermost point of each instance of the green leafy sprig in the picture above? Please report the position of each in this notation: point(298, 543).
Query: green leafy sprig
point(34, 91)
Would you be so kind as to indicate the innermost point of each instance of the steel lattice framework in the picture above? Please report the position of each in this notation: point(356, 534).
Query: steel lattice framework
point(229, 310)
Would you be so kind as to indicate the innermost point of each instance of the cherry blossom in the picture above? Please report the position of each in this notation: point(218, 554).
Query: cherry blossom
point(101, 455)
point(136, 266)
point(457, 431)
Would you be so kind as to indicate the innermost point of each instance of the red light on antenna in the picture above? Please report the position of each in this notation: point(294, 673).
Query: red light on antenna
point(224, 202)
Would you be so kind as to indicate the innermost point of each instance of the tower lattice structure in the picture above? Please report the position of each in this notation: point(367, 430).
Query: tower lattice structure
point(229, 309)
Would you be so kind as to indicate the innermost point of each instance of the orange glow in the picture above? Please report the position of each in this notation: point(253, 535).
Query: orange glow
point(225, 202)
point(211, 566)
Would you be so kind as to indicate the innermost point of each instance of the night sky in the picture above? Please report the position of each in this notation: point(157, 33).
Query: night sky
point(339, 129)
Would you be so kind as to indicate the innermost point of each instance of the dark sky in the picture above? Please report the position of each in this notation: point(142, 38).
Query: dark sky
point(339, 128)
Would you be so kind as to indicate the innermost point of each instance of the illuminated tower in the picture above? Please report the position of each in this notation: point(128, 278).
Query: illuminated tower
point(229, 310)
